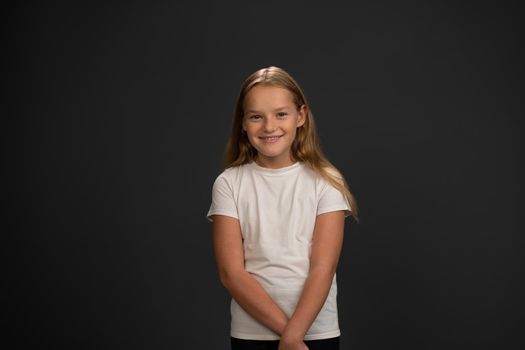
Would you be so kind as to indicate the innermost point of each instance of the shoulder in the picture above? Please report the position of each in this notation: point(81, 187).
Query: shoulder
point(319, 179)
point(334, 173)
point(313, 182)
point(307, 170)
point(325, 183)
point(231, 174)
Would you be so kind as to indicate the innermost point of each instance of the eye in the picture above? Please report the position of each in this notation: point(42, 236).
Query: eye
point(254, 117)
point(282, 114)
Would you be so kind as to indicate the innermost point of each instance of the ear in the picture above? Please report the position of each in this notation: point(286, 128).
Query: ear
point(301, 118)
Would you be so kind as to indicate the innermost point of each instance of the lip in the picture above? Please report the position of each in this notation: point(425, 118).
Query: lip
point(270, 139)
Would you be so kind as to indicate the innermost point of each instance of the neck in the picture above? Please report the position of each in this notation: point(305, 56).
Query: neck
point(273, 163)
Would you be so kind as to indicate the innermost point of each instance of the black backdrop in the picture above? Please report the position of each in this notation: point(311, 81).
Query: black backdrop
point(115, 121)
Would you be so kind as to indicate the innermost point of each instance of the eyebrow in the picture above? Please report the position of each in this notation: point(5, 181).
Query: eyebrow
point(275, 110)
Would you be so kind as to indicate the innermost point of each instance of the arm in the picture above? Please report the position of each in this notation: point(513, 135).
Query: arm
point(326, 249)
point(242, 286)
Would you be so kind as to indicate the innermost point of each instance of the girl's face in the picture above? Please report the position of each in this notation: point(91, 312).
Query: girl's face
point(271, 120)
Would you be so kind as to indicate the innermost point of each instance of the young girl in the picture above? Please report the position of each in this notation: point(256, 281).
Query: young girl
point(278, 211)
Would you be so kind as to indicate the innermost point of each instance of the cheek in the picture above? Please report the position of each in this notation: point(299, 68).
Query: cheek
point(250, 133)
point(248, 129)
point(292, 128)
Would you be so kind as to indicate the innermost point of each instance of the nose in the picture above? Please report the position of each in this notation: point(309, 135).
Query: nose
point(269, 125)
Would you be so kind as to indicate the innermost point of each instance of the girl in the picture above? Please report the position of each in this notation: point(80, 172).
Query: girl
point(278, 211)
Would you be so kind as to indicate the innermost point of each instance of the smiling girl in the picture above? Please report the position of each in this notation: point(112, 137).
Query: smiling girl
point(278, 211)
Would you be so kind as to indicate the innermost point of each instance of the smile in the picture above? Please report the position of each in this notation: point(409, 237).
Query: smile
point(270, 139)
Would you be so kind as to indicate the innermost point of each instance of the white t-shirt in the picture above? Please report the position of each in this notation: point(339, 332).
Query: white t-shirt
point(277, 209)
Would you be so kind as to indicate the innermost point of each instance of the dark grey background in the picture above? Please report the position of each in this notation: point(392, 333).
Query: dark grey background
point(115, 121)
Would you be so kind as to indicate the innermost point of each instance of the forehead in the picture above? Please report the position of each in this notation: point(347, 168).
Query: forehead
point(267, 96)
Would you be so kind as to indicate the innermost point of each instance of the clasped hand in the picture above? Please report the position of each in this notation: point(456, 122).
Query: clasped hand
point(292, 344)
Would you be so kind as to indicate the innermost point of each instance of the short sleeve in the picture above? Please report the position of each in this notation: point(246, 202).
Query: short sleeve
point(222, 202)
point(331, 199)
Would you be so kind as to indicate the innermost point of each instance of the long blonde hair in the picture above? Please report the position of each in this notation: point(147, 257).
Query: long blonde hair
point(305, 146)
